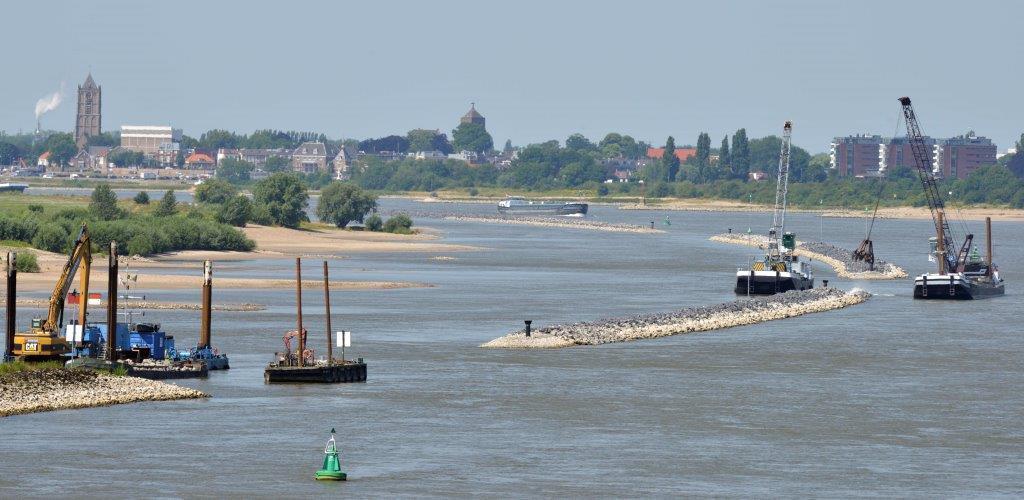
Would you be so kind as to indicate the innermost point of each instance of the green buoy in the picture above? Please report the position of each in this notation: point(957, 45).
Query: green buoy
point(332, 468)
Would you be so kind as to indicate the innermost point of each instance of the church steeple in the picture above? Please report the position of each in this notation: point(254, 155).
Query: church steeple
point(472, 116)
point(89, 119)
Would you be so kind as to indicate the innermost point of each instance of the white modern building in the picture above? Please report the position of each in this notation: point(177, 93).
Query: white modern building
point(149, 139)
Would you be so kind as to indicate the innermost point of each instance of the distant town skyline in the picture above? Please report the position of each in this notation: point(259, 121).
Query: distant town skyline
point(536, 71)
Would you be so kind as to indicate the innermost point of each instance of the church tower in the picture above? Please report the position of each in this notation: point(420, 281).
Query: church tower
point(89, 116)
point(472, 116)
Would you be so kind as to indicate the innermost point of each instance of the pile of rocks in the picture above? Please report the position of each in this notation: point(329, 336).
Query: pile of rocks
point(840, 259)
point(64, 389)
point(569, 223)
point(693, 319)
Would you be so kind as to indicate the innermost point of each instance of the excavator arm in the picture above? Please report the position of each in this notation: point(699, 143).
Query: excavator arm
point(79, 258)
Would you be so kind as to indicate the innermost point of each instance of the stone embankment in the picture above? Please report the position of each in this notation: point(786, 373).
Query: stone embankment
point(840, 259)
point(64, 389)
point(693, 319)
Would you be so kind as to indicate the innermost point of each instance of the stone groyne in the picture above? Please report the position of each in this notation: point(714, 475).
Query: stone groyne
point(840, 259)
point(146, 304)
point(51, 389)
point(693, 319)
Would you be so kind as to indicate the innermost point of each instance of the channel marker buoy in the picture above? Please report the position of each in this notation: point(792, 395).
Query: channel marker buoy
point(332, 468)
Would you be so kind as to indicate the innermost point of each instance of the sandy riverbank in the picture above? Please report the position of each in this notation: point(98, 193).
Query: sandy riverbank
point(272, 243)
point(694, 319)
point(566, 223)
point(702, 205)
point(838, 258)
point(60, 389)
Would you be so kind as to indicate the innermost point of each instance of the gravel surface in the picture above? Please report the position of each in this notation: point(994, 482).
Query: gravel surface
point(693, 319)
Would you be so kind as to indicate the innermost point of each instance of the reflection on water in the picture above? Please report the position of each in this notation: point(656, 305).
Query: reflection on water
point(893, 397)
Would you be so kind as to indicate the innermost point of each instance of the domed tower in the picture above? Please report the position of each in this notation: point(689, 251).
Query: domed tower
point(472, 116)
point(89, 118)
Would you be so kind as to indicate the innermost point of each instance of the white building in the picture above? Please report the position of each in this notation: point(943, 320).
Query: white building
point(149, 139)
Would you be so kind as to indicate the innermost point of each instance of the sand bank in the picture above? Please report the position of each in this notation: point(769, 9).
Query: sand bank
point(694, 319)
point(60, 389)
point(705, 205)
point(567, 223)
point(150, 304)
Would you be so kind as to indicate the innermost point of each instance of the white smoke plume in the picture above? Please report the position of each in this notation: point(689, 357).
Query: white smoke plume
point(50, 102)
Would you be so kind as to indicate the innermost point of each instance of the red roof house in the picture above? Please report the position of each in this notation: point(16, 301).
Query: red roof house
point(682, 153)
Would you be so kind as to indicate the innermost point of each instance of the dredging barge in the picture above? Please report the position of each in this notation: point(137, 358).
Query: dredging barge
point(300, 365)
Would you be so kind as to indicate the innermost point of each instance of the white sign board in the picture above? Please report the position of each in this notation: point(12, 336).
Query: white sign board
point(344, 339)
point(73, 333)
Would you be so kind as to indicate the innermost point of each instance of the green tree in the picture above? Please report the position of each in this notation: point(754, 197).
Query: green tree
point(374, 223)
point(168, 205)
point(284, 197)
point(723, 156)
point(740, 156)
point(399, 224)
point(669, 160)
point(236, 211)
point(215, 191)
point(142, 198)
point(234, 170)
point(344, 202)
point(51, 237)
point(428, 140)
point(579, 142)
point(126, 157)
point(61, 147)
point(703, 157)
point(105, 139)
point(9, 153)
point(103, 203)
point(276, 164)
point(216, 139)
point(472, 137)
point(508, 146)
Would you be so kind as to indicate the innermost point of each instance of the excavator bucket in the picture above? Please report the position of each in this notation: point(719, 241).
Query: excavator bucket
point(865, 253)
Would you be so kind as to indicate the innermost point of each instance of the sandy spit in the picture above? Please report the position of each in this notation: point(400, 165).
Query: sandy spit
point(557, 223)
point(694, 319)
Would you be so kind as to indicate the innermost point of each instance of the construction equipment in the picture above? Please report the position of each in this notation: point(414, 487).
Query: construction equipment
point(866, 251)
point(44, 341)
point(293, 358)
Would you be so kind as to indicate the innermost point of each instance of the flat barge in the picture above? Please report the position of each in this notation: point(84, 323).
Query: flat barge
point(321, 374)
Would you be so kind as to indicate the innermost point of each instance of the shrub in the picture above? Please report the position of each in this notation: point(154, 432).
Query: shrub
point(342, 202)
point(215, 191)
point(399, 224)
point(17, 229)
point(602, 190)
point(142, 198)
point(26, 262)
point(284, 196)
point(51, 237)
point(35, 208)
point(374, 223)
point(236, 211)
point(473, 191)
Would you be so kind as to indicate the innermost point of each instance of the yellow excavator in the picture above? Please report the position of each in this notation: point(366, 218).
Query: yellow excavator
point(44, 341)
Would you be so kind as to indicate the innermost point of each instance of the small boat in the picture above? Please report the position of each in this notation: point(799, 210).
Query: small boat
point(12, 186)
point(517, 205)
point(331, 470)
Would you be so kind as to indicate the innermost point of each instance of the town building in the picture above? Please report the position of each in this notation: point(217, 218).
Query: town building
point(89, 121)
point(342, 164)
point(257, 157)
point(310, 157)
point(148, 139)
point(199, 161)
point(466, 156)
point(474, 117)
point(429, 155)
point(91, 158)
point(872, 155)
point(682, 153)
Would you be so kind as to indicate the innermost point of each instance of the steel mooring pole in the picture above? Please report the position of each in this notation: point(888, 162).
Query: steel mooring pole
point(327, 306)
point(298, 305)
point(111, 303)
point(12, 292)
point(204, 320)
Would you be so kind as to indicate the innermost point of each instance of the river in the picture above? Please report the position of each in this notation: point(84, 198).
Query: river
point(894, 397)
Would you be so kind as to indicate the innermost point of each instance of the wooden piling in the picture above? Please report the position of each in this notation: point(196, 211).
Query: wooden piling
point(988, 244)
point(12, 292)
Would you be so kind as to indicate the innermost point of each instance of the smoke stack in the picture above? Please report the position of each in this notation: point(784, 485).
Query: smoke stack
point(111, 302)
point(204, 322)
point(12, 290)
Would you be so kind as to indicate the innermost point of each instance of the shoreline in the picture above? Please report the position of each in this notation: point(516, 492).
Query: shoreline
point(35, 391)
point(153, 305)
point(556, 223)
point(690, 320)
point(890, 271)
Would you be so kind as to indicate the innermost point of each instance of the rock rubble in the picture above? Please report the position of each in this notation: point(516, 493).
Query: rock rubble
point(693, 319)
point(64, 389)
point(840, 259)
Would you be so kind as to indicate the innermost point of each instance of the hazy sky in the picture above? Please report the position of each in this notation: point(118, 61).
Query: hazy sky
point(537, 70)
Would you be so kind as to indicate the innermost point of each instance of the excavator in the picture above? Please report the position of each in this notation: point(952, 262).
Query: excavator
point(43, 341)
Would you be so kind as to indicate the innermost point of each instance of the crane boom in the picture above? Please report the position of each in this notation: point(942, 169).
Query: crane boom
point(931, 189)
point(781, 188)
point(81, 255)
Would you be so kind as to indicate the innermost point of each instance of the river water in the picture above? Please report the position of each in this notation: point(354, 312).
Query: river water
point(894, 397)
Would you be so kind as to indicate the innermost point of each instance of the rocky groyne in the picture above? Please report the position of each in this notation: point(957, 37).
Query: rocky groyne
point(51, 389)
point(149, 304)
point(693, 319)
point(840, 259)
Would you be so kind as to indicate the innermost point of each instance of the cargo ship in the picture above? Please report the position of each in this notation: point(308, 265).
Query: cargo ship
point(517, 205)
